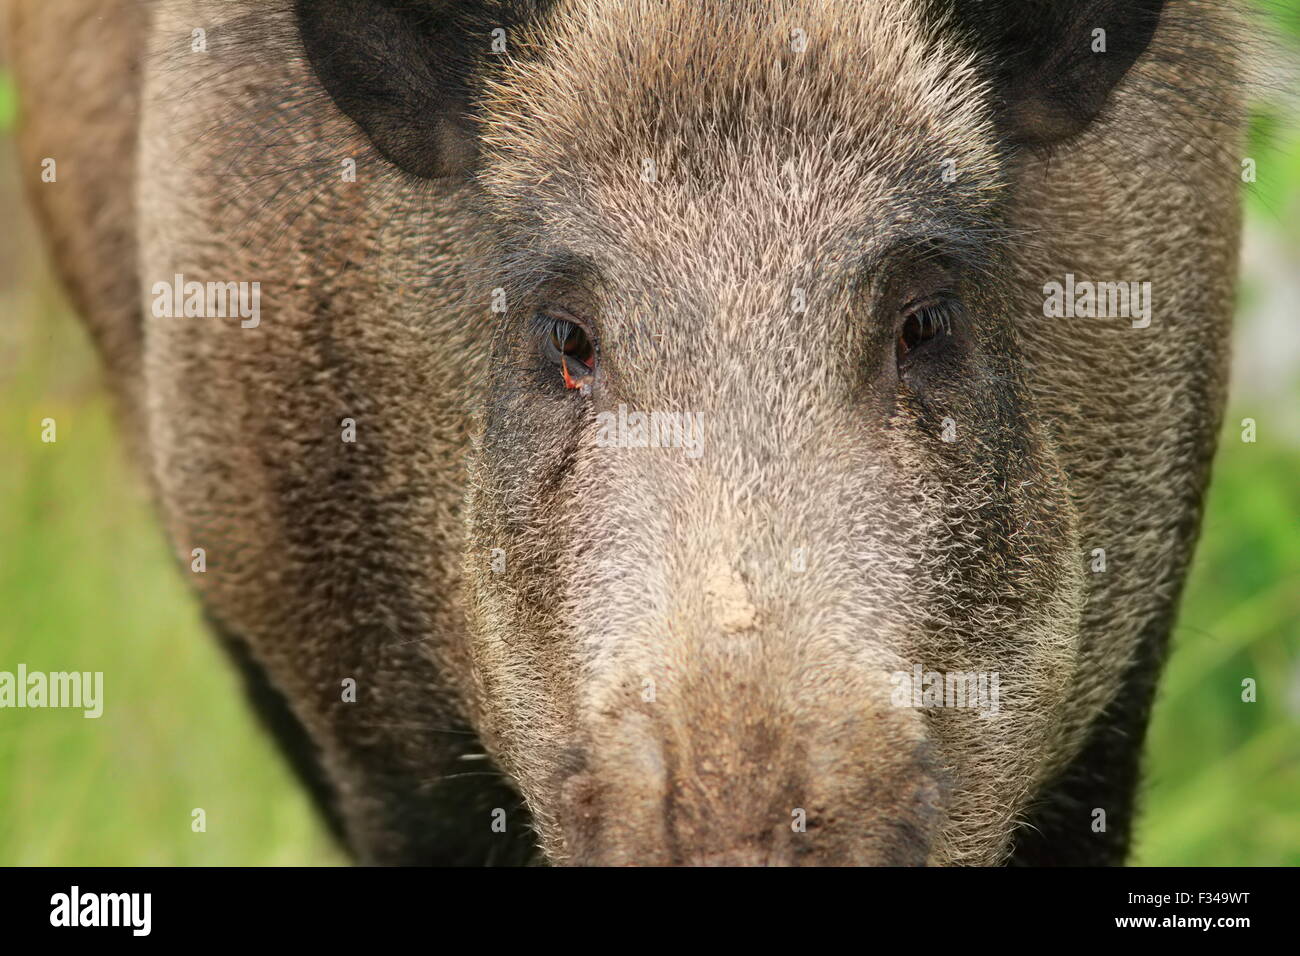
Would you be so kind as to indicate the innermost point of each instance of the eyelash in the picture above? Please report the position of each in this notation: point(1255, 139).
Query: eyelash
point(566, 343)
point(922, 325)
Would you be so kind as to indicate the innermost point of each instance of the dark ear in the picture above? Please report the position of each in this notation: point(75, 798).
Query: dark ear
point(1052, 68)
point(403, 71)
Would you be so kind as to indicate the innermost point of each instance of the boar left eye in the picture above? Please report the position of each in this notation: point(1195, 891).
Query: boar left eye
point(568, 346)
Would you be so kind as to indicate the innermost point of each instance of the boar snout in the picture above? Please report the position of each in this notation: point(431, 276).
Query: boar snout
point(679, 787)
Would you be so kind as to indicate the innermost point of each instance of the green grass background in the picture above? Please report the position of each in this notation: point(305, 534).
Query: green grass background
point(86, 582)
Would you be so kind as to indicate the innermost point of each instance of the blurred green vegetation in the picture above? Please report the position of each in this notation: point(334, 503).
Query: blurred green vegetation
point(8, 102)
point(86, 582)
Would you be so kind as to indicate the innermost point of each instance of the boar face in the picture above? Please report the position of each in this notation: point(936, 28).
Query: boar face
point(755, 443)
point(755, 448)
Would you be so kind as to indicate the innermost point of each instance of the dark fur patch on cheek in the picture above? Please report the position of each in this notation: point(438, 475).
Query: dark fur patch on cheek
point(944, 376)
point(533, 436)
point(937, 393)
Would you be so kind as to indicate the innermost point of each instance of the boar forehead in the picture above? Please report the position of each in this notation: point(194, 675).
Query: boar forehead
point(812, 132)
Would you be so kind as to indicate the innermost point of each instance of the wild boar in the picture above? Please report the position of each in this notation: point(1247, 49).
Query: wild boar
point(627, 416)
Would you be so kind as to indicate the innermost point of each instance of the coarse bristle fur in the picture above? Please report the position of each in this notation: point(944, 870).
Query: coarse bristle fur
point(672, 656)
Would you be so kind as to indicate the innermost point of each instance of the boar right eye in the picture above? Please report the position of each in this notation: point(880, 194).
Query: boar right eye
point(923, 328)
